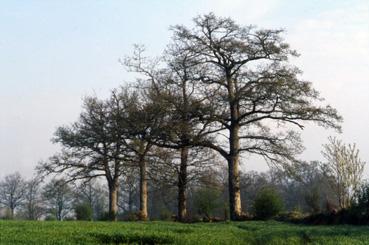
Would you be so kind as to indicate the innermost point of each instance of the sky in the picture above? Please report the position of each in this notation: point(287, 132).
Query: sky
point(53, 53)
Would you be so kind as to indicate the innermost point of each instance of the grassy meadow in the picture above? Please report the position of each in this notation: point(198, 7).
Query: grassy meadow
point(251, 232)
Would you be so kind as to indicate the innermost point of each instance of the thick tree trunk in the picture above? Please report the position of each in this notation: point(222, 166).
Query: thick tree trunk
point(233, 174)
point(143, 190)
point(182, 186)
point(113, 201)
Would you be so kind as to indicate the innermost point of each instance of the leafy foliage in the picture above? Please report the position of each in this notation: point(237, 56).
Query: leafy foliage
point(206, 200)
point(83, 212)
point(267, 204)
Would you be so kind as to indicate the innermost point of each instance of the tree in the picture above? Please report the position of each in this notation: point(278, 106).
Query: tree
point(312, 183)
point(92, 194)
point(139, 120)
point(346, 167)
point(171, 88)
point(32, 205)
point(128, 191)
point(58, 196)
point(246, 76)
point(12, 190)
point(92, 147)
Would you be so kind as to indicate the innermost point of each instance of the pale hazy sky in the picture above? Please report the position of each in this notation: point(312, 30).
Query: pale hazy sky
point(52, 53)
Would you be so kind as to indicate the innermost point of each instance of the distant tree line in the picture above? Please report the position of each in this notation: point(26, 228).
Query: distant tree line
point(304, 188)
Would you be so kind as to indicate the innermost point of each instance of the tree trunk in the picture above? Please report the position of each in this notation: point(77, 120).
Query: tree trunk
point(143, 190)
point(113, 201)
point(182, 185)
point(130, 201)
point(233, 174)
point(59, 212)
point(12, 213)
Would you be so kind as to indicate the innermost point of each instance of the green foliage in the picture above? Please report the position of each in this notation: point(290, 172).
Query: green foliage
point(119, 238)
point(312, 199)
point(50, 218)
point(267, 204)
point(359, 209)
point(206, 200)
point(83, 211)
point(106, 216)
point(362, 199)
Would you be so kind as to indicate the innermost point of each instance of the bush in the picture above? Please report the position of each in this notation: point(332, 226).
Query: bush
point(83, 212)
point(361, 202)
point(50, 218)
point(206, 200)
point(357, 214)
point(105, 216)
point(267, 204)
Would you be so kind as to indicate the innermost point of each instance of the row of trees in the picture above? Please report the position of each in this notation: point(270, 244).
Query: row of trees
point(308, 187)
point(219, 89)
point(57, 199)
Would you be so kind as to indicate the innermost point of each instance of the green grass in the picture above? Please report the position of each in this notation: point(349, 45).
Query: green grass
point(250, 232)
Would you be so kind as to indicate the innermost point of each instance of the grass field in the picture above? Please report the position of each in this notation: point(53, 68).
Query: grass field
point(251, 232)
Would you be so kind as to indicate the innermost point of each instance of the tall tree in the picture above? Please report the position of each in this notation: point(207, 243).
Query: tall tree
point(12, 190)
point(246, 75)
point(171, 87)
point(138, 119)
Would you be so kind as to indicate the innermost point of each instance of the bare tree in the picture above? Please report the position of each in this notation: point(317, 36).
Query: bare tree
point(32, 205)
point(139, 119)
point(346, 167)
point(172, 88)
point(169, 169)
point(92, 147)
point(246, 76)
point(94, 195)
point(12, 191)
point(128, 192)
point(58, 196)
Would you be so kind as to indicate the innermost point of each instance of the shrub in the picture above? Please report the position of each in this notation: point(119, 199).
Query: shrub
point(361, 201)
point(50, 218)
point(267, 204)
point(206, 200)
point(83, 212)
point(312, 200)
point(105, 216)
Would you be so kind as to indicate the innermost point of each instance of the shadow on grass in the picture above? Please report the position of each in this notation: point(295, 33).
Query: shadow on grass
point(120, 238)
point(300, 234)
